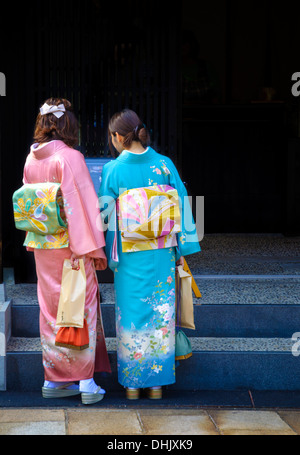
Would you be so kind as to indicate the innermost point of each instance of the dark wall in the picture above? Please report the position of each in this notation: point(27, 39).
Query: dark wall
point(231, 126)
point(241, 124)
point(238, 162)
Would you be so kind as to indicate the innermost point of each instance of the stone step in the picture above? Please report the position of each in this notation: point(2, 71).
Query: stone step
point(232, 344)
point(219, 320)
point(216, 364)
point(244, 254)
point(245, 319)
point(253, 306)
point(243, 290)
point(5, 334)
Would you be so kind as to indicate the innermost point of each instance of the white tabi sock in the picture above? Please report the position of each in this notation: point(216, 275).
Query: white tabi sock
point(53, 385)
point(89, 385)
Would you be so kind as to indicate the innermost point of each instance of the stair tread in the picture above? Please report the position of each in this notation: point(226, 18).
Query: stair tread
point(17, 344)
point(239, 291)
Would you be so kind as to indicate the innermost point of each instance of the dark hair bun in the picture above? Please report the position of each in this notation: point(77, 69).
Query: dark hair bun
point(143, 136)
point(128, 124)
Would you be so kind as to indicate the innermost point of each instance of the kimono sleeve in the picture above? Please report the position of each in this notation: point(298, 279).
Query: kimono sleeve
point(187, 239)
point(81, 206)
point(108, 194)
point(24, 181)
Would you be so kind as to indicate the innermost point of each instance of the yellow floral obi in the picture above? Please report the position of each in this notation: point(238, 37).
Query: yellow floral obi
point(38, 210)
point(149, 218)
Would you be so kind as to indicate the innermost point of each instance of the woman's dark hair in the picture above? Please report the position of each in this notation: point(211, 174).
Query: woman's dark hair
point(128, 124)
point(48, 127)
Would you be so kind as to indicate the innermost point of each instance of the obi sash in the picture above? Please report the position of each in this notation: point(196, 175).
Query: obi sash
point(149, 218)
point(38, 210)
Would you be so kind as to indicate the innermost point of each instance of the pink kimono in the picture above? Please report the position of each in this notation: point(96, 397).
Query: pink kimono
point(56, 162)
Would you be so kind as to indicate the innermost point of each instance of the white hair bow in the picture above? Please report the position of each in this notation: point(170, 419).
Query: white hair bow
point(58, 111)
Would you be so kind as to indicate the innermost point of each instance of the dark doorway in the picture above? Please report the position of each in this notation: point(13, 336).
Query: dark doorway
point(102, 57)
point(240, 121)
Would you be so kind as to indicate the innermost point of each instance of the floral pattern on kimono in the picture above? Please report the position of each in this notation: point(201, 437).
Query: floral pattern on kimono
point(145, 353)
point(38, 209)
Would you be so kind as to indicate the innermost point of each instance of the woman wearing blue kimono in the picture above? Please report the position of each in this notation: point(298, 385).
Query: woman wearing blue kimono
point(137, 189)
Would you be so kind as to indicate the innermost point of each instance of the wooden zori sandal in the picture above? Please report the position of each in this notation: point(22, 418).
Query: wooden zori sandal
point(65, 390)
point(132, 393)
point(154, 393)
point(92, 397)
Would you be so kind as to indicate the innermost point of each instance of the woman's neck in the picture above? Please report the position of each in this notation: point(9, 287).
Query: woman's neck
point(136, 147)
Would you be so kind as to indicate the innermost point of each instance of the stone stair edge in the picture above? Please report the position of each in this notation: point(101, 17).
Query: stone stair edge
point(199, 344)
point(263, 291)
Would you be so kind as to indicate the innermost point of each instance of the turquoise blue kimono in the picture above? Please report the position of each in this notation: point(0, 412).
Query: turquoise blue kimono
point(144, 280)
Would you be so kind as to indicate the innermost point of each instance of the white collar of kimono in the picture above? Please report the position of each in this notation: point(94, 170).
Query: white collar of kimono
point(142, 153)
point(58, 111)
point(37, 145)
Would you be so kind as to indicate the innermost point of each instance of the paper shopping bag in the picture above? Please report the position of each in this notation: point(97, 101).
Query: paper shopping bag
point(70, 311)
point(184, 299)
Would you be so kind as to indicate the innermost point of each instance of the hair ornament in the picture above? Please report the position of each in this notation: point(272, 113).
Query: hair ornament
point(139, 127)
point(58, 111)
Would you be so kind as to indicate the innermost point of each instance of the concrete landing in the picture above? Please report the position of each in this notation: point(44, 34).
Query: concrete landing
point(147, 422)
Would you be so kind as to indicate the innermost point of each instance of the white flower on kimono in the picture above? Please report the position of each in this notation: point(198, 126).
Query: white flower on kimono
point(67, 207)
point(48, 364)
point(59, 356)
point(168, 315)
point(156, 368)
point(158, 334)
point(163, 308)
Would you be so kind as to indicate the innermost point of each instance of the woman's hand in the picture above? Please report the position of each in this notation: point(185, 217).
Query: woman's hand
point(180, 261)
point(75, 261)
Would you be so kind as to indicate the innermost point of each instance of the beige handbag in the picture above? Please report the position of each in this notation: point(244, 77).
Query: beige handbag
point(70, 311)
point(185, 306)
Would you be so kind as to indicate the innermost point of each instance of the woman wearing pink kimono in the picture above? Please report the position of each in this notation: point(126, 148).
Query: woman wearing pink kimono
point(52, 158)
